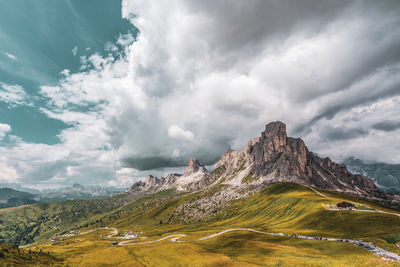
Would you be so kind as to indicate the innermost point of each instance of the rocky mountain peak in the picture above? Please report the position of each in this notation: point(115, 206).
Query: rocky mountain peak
point(275, 132)
point(275, 157)
point(194, 166)
point(77, 186)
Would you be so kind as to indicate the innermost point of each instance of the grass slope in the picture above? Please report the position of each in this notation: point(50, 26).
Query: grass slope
point(14, 256)
point(33, 223)
point(284, 207)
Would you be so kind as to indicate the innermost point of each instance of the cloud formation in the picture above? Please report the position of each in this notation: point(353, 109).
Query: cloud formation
point(4, 129)
point(13, 95)
point(205, 76)
point(177, 132)
point(11, 56)
point(387, 125)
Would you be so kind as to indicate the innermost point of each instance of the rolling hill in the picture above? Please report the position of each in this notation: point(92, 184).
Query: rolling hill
point(12, 198)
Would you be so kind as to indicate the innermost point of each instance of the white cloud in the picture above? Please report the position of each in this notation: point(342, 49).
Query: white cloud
point(124, 178)
point(125, 39)
point(11, 56)
point(8, 174)
point(177, 132)
point(4, 129)
point(13, 94)
point(75, 51)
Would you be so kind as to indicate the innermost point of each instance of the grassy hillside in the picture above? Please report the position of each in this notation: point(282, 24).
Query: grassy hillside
point(232, 249)
point(14, 256)
point(28, 224)
point(286, 208)
point(12, 198)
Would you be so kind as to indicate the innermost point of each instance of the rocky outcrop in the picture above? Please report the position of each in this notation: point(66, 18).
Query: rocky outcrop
point(275, 157)
point(193, 167)
point(386, 176)
point(152, 184)
point(192, 179)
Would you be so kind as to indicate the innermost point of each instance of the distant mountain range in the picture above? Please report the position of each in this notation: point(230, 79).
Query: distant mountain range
point(25, 189)
point(12, 198)
point(386, 176)
point(13, 195)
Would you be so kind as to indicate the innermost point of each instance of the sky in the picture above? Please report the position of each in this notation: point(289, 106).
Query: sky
point(106, 92)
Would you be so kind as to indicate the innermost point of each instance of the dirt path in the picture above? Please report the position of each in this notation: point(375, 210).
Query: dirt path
point(173, 238)
point(371, 210)
point(115, 232)
point(318, 193)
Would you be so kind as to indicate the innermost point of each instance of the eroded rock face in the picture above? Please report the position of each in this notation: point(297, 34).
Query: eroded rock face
point(274, 157)
point(192, 179)
point(194, 166)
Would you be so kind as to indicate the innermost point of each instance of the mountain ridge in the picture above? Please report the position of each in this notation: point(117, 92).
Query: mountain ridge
point(269, 158)
point(386, 176)
point(11, 197)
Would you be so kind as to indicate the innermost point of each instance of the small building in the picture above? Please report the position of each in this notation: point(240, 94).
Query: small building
point(55, 239)
point(345, 205)
point(128, 233)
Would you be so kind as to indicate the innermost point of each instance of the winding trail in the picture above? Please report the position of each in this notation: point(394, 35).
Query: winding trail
point(318, 193)
point(235, 229)
point(173, 238)
point(115, 232)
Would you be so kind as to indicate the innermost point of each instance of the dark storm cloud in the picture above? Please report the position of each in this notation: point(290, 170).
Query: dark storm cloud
point(351, 100)
point(338, 133)
point(152, 162)
point(159, 162)
point(247, 24)
point(387, 125)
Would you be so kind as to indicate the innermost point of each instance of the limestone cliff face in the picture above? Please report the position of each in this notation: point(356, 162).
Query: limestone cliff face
point(274, 157)
point(194, 166)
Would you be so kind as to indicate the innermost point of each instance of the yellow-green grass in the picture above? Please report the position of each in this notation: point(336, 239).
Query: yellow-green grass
point(14, 256)
point(231, 249)
point(287, 208)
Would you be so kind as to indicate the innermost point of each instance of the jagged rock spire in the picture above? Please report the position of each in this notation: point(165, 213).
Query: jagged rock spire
point(275, 157)
point(194, 166)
